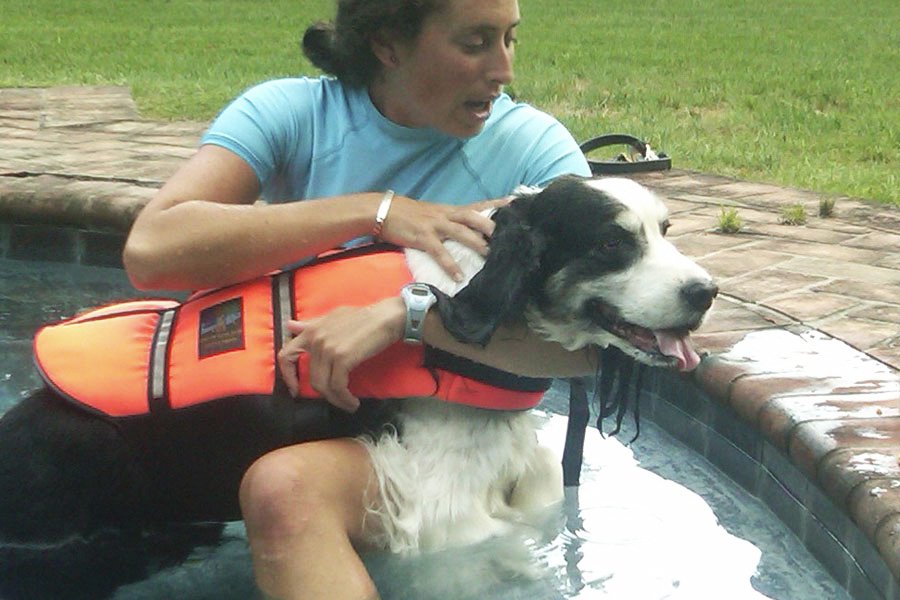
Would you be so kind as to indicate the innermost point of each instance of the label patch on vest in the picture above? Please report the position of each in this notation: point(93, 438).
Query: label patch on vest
point(221, 328)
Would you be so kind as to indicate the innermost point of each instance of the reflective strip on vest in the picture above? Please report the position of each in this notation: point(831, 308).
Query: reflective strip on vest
point(158, 353)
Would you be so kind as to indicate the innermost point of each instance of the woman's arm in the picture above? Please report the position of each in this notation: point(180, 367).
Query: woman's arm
point(202, 228)
point(341, 339)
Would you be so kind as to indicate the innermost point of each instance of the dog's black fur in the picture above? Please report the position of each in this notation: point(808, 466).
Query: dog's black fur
point(535, 236)
point(88, 502)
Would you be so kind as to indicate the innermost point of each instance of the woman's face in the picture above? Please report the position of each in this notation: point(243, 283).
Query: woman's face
point(448, 77)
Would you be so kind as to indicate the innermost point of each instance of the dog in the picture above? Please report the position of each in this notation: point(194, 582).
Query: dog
point(89, 502)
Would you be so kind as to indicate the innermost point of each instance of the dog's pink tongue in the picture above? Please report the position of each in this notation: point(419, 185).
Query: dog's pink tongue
point(678, 347)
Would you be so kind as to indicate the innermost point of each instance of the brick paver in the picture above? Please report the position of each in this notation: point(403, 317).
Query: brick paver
point(804, 341)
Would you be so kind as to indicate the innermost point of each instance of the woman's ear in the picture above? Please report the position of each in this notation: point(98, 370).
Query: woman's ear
point(384, 48)
point(501, 289)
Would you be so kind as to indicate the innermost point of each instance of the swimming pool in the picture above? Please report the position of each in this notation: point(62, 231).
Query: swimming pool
point(675, 528)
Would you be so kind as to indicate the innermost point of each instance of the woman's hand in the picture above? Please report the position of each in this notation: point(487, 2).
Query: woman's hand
point(338, 341)
point(426, 225)
point(341, 339)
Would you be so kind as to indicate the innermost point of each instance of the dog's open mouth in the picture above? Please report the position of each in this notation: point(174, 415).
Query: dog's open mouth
point(669, 346)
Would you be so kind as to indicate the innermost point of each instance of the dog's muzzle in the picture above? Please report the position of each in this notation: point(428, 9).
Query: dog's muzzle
point(666, 346)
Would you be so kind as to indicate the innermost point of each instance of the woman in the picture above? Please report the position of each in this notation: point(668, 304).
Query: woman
point(415, 106)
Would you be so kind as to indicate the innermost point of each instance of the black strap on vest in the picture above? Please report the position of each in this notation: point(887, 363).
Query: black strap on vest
point(618, 386)
point(340, 253)
point(440, 359)
point(579, 413)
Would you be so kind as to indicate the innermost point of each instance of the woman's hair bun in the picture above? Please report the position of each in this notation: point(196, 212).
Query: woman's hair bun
point(343, 48)
point(320, 48)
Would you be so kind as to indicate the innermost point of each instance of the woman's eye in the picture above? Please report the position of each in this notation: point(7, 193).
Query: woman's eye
point(474, 44)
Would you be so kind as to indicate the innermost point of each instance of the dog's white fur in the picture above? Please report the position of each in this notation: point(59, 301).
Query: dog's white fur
point(459, 474)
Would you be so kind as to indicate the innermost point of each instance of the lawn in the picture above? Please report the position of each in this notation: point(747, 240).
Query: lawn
point(799, 92)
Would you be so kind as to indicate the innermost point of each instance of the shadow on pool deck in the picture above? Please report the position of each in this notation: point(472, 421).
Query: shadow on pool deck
point(804, 342)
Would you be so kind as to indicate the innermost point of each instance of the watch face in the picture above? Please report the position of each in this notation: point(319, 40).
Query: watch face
point(417, 297)
point(418, 294)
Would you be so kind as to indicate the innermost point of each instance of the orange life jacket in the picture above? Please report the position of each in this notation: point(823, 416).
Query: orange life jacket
point(133, 357)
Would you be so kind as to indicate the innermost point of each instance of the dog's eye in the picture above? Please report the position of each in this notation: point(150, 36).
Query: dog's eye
point(610, 243)
point(664, 227)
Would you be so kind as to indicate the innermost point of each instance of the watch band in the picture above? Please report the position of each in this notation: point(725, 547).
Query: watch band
point(418, 298)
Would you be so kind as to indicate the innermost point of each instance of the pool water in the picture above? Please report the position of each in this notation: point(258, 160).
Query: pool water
point(651, 521)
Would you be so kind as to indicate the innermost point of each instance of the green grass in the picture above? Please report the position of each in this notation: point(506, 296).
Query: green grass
point(803, 92)
point(795, 214)
point(729, 221)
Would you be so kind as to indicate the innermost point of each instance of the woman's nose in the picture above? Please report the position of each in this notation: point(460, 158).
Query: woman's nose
point(500, 67)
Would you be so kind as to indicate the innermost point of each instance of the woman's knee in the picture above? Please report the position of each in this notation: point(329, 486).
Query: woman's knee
point(273, 494)
point(286, 491)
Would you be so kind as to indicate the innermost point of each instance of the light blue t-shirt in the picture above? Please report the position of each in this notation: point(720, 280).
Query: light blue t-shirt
point(315, 137)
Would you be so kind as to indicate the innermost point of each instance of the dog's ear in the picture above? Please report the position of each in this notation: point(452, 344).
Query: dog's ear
point(501, 289)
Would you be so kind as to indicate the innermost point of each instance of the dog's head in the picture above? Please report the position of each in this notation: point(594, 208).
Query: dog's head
point(586, 261)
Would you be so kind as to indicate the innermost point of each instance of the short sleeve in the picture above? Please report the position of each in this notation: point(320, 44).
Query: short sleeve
point(554, 152)
point(268, 126)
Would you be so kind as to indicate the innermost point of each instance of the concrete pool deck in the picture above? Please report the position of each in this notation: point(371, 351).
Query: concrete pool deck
point(803, 343)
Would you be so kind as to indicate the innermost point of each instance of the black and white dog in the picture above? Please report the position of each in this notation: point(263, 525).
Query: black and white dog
point(87, 503)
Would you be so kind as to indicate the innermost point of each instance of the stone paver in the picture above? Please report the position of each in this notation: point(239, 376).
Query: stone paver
point(804, 342)
point(59, 146)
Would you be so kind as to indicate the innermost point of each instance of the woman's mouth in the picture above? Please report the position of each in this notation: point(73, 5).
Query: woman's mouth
point(481, 109)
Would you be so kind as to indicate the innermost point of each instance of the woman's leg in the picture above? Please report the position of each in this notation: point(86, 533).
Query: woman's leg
point(304, 507)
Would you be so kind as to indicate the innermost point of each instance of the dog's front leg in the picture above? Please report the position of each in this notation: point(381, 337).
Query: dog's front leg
point(540, 487)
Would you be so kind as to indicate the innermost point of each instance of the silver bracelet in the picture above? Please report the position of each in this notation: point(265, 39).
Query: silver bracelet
point(382, 213)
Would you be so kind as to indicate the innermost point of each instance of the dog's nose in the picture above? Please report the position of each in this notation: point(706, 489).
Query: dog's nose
point(699, 294)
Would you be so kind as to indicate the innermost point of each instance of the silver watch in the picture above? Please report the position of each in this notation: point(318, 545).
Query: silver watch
point(418, 298)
